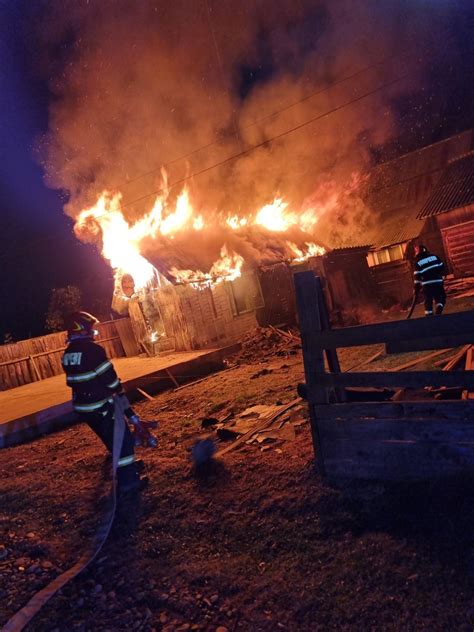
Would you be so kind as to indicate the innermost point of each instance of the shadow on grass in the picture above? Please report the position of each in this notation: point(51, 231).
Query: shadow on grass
point(437, 516)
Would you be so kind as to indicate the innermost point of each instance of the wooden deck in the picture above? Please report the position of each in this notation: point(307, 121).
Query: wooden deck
point(34, 409)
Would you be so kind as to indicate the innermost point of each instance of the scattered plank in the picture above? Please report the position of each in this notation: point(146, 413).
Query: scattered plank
point(368, 360)
point(145, 394)
point(172, 378)
point(407, 365)
point(456, 358)
point(284, 334)
point(452, 340)
point(260, 426)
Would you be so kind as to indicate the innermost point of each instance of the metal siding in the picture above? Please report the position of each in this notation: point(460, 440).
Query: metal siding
point(454, 190)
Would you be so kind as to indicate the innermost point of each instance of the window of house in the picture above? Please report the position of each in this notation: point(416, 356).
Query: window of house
point(245, 294)
point(385, 255)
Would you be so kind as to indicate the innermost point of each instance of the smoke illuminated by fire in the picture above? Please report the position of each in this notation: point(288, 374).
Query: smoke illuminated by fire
point(271, 118)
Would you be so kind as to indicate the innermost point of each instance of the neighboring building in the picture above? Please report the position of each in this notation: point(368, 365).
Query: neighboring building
point(399, 191)
point(451, 206)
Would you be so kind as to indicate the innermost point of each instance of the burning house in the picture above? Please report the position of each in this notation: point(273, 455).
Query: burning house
point(159, 260)
point(193, 280)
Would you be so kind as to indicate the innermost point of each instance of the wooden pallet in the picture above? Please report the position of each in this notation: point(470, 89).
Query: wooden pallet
point(414, 440)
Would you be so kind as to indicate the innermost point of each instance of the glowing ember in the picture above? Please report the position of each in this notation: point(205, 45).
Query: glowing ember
point(236, 222)
point(227, 268)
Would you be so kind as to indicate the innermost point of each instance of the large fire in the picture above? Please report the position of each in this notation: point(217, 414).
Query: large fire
point(121, 240)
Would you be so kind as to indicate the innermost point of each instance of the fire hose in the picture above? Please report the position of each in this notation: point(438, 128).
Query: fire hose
point(34, 605)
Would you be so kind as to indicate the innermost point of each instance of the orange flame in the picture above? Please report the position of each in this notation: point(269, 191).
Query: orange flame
point(121, 240)
point(312, 250)
point(119, 245)
point(227, 268)
point(275, 217)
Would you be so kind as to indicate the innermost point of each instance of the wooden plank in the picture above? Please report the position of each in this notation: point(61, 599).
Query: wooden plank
point(435, 328)
point(414, 379)
point(425, 344)
point(368, 360)
point(263, 423)
point(35, 368)
point(172, 378)
point(425, 358)
point(145, 394)
point(379, 431)
point(436, 409)
point(231, 368)
point(404, 461)
point(125, 332)
point(307, 302)
point(331, 354)
point(456, 358)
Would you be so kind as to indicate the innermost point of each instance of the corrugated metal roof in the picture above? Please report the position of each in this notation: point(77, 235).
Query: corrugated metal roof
point(396, 227)
point(454, 189)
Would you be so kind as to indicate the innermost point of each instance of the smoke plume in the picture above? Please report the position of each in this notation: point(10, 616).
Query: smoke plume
point(138, 85)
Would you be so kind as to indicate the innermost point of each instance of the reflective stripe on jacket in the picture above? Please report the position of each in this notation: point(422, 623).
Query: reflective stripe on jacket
point(429, 269)
point(90, 374)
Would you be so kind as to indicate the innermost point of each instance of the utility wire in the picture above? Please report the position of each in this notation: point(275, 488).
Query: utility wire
point(268, 141)
point(355, 74)
point(263, 118)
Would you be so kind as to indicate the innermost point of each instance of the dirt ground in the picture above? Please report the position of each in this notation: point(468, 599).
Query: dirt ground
point(258, 542)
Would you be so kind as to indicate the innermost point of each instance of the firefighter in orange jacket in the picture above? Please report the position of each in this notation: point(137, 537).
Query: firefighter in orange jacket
point(94, 383)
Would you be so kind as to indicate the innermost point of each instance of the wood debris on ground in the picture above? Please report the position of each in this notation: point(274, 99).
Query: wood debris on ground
point(460, 288)
point(267, 341)
point(261, 425)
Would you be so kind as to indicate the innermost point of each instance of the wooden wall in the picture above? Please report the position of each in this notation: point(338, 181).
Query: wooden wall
point(350, 283)
point(210, 319)
point(38, 358)
point(394, 282)
point(279, 295)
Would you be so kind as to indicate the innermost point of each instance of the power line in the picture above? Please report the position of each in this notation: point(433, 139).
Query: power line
point(307, 97)
point(266, 142)
point(263, 118)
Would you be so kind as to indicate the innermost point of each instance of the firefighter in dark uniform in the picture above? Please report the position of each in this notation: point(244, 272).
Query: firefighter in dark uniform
point(428, 275)
point(94, 383)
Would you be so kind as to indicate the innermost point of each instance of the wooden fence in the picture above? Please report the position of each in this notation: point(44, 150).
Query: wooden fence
point(38, 358)
point(394, 440)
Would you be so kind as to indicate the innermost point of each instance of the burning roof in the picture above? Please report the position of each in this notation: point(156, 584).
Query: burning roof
point(187, 247)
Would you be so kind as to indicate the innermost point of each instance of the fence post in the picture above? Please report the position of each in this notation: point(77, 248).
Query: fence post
point(331, 354)
point(308, 304)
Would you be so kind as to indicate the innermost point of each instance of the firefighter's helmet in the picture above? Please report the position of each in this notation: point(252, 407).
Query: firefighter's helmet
point(420, 249)
point(81, 324)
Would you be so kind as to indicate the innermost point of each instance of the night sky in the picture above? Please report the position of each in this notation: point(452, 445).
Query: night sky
point(39, 251)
